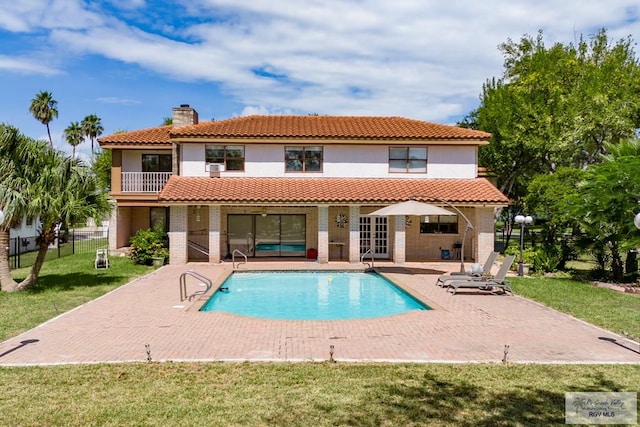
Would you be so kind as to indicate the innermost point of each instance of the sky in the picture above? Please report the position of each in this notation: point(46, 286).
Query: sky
point(131, 61)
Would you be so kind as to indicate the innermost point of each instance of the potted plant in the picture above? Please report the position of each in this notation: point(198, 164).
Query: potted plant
point(148, 247)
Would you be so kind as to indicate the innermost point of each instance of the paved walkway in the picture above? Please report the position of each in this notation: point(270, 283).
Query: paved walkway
point(145, 318)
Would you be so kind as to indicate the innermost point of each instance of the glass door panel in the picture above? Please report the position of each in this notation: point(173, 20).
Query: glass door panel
point(293, 235)
point(240, 234)
point(267, 235)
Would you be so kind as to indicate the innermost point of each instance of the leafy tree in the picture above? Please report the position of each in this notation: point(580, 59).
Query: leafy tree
point(44, 108)
point(74, 135)
point(102, 169)
point(167, 121)
point(606, 202)
point(92, 128)
point(556, 106)
point(549, 200)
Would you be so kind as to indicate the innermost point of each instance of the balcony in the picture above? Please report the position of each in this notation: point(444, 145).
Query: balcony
point(144, 182)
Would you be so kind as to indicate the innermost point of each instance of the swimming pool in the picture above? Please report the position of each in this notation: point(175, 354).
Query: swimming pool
point(311, 295)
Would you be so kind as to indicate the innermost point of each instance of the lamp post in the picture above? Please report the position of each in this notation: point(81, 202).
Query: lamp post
point(523, 221)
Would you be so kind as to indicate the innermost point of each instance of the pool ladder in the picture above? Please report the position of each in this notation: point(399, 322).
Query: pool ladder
point(183, 285)
point(369, 266)
point(233, 258)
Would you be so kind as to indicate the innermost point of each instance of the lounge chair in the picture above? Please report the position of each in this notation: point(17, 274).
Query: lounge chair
point(102, 260)
point(497, 282)
point(469, 275)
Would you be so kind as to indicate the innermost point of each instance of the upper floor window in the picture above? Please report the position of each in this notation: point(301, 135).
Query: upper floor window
point(156, 163)
point(231, 156)
point(439, 224)
point(408, 159)
point(303, 159)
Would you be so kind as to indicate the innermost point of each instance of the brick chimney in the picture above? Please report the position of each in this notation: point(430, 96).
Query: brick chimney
point(184, 116)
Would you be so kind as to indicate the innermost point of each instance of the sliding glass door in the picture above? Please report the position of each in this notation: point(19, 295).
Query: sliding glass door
point(271, 235)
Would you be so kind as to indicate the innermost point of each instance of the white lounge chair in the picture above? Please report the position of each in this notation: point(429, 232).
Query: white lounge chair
point(102, 259)
point(497, 282)
point(469, 275)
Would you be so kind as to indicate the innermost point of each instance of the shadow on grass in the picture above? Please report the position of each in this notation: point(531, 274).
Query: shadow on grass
point(70, 281)
point(436, 400)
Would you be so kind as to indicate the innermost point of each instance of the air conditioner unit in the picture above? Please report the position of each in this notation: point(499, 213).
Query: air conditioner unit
point(215, 169)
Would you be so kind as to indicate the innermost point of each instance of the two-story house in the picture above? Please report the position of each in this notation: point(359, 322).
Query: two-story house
point(300, 186)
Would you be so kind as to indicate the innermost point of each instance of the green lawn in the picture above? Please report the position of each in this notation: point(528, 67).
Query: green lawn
point(64, 283)
point(300, 394)
point(616, 311)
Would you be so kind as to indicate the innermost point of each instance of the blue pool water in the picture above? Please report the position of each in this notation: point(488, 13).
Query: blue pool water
point(311, 296)
point(285, 247)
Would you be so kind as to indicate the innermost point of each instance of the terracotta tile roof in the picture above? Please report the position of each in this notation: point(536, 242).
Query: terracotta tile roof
point(328, 190)
point(153, 136)
point(334, 127)
point(300, 127)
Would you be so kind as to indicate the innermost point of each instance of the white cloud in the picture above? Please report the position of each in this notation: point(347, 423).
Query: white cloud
point(27, 66)
point(425, 59)
point(117, 100)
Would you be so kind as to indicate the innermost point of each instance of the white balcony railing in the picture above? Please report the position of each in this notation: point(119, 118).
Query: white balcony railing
point(144, 182)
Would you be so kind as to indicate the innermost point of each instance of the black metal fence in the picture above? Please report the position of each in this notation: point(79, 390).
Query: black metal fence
point(23, 250)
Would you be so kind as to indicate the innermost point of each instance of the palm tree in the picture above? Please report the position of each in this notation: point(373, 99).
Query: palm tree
point(92, 128)
point(39, 182)
point(74, 135)
point(18, 157)
point(72, 196)
point(44, 109)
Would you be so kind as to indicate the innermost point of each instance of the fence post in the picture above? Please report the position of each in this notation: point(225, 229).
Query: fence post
point(16, 251)
point(73, 241)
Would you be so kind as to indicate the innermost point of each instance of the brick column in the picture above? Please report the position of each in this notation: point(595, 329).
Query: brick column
point(484, 233)
point(214, 233)
point(323, 234)
point(399, 240)
point(178, 235)
point(354, 234)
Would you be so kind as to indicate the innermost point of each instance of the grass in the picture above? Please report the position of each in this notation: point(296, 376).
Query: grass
point(64, 283)
point(296, 394)
point(302, 394)
point(613, 310)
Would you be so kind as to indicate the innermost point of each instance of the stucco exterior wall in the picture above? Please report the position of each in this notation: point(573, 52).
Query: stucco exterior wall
point(339, 161)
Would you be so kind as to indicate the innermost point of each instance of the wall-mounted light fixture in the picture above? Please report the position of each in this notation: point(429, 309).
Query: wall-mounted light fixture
point(197, 213)
point(341, 220)
point(263, 212)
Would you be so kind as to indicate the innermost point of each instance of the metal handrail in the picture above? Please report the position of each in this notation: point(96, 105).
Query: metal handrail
point(197, 247)
point(183, 284)
point(368, 251)
point(233, 258)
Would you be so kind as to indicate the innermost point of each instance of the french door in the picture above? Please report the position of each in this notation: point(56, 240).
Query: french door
point(374, 236)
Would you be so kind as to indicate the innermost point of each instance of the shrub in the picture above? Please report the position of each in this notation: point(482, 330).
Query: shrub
point(148, 244)
point(546, 260)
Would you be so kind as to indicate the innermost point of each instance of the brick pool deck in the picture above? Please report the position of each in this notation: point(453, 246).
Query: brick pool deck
point(147, 315)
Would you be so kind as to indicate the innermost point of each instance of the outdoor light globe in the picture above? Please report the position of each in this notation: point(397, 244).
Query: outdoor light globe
point(528, 219)
point(2, 216)
point(519, 219)
point(636, 220)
